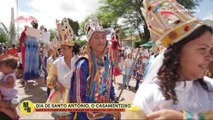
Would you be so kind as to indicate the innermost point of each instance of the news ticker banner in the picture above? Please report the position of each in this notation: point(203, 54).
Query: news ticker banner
point(27, 107)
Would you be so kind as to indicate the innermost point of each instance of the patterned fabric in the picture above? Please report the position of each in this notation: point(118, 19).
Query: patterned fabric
point(79, 92)
point(21, 42)
point(138, 70)
point(190, 95)
point(60, 72)
point(31, 65)
point(9, 93)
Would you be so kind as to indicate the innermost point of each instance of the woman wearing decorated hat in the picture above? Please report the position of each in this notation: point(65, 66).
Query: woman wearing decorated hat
point(91, 82)
point(61, 71)
point(177, 82)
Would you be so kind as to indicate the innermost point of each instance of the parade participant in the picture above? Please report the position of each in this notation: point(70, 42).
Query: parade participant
point(8, 90)
point(179, 81)
point(127, 69)
point(31, 58)
point(53, 55)
point(138, 71)
point(22, 41)
point(61, 71)
point(114, 52)
point(91, 81)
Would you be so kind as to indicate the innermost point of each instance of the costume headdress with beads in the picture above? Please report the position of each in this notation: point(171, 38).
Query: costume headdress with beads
point(92, 25)
point(168, 21)
point(65, 32)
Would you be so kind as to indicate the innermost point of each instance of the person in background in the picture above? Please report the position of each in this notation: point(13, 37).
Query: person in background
point(114, 53)
point(138, 71)
point(209, 71)
point(22, 41)
point(128, 70)
point(53, 55)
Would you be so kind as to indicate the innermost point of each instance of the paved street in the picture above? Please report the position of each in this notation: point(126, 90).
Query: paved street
point(37, 94)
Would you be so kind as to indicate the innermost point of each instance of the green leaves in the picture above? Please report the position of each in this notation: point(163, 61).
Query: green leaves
point(4, 33)
point(130, 10)
point(75, 26)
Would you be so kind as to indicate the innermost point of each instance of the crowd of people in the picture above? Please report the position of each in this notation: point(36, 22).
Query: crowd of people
point(173, 72)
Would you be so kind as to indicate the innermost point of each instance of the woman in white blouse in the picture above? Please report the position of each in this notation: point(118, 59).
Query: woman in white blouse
point(178, 82)
point(61, 71)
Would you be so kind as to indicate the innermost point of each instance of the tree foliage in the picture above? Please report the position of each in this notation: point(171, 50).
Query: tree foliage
point(81, 42)
point(52, 34)
point(130, 10)
point(190, 4)
point(82, 25)
point(4, 33)
point(75, 26)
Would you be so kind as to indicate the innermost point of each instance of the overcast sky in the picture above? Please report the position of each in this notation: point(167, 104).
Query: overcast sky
point(47, 11)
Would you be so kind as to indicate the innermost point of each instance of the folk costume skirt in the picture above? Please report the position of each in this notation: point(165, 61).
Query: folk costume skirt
point(31, 60)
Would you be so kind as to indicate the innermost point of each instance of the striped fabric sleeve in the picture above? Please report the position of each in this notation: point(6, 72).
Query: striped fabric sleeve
point(79, 82)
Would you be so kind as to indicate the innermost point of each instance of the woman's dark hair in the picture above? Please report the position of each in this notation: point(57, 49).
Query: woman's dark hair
point(76, 48)
point(168, 73)
point(35, 25)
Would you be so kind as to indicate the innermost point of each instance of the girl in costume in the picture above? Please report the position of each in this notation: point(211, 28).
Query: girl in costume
point(61, 71)
point(92, 78)
point(179, 82)
point(31, 55)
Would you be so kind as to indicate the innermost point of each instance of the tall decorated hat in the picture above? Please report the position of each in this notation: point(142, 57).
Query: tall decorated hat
point(91, 26)
point(168, 21)
point(65, 33)
point(55, 44)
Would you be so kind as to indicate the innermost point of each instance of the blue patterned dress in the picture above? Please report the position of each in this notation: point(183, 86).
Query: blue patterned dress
point(31, 61)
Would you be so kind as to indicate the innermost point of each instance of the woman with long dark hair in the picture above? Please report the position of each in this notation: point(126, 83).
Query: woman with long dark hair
point(178, 82)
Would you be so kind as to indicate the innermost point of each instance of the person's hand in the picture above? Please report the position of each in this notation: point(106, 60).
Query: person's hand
point(165, 114)
point(60, 87)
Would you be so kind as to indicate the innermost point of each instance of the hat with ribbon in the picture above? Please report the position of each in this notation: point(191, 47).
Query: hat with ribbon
point(168, 21)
